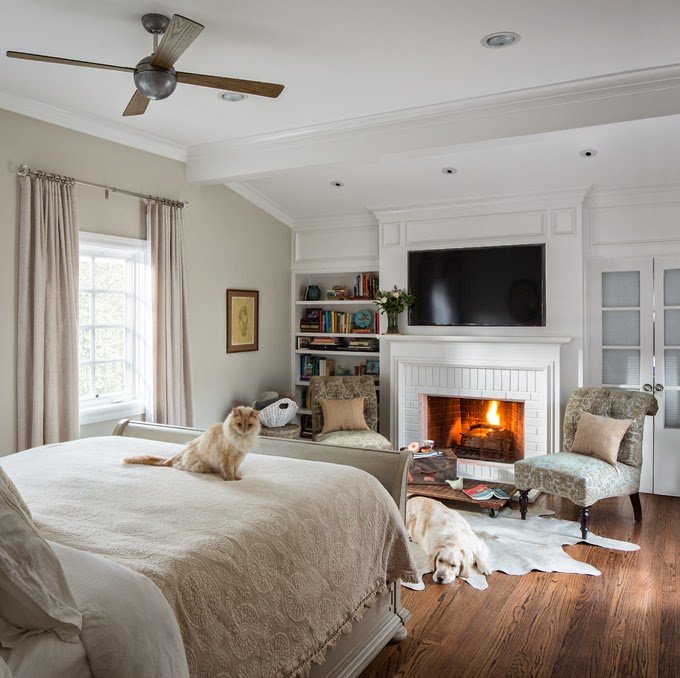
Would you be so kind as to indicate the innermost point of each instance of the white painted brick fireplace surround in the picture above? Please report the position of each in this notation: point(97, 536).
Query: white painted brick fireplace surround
point(525, 369)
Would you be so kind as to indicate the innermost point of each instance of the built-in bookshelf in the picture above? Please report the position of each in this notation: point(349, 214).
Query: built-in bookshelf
point(335, 332)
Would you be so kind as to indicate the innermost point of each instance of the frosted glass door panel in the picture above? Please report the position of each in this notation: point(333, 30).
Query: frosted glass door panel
point(672, 368)
point(620, 367)
point(671, 330)
point(620, 328)
point(620, 288)
point(671, 287)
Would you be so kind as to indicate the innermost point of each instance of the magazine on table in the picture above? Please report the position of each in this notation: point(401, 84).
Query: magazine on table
point(481, 492)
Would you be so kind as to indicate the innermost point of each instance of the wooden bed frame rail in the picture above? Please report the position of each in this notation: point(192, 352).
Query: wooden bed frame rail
point(390, 468)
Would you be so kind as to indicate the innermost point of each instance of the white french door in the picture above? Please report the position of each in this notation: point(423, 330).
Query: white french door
point(634, 343)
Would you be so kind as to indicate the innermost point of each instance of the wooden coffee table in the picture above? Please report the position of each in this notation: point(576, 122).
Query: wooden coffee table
point(447, 493)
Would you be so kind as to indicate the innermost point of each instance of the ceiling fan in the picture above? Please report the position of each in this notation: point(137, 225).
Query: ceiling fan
point(154, 75)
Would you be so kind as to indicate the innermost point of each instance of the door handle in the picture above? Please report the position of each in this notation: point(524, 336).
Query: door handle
point(659, 388)
point(648, 387)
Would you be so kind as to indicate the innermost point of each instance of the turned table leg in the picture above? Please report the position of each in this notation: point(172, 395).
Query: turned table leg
point(523, 503)
point(585, 517)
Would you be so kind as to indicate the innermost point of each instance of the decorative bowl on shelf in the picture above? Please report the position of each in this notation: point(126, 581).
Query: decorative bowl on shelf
point(363, 318)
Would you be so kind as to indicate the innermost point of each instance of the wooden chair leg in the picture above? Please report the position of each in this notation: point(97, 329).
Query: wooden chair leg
point(523, 503)
point(585, 517)
point(637, 506)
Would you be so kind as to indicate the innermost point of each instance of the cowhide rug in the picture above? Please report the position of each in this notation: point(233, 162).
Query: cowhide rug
point(517, 546)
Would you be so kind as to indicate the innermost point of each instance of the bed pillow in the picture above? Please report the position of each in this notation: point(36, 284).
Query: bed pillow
point(343, 415)
point(34, 594)
point(599, 436)
point(12, 488)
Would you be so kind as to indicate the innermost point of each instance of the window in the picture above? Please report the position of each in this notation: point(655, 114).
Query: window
point(112, 318)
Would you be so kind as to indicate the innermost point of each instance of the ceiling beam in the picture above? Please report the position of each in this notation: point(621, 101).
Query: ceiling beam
point(617, 97)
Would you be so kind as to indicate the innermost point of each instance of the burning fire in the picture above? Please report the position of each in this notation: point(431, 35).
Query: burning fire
point(492, 415)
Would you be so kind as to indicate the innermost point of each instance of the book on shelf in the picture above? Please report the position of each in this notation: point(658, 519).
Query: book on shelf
point(481, 492)
point(316, 366)
point(366, 286)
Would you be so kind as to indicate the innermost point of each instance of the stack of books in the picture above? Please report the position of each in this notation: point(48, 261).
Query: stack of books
point(312, 321)
point(325, 343)
point(363, 344)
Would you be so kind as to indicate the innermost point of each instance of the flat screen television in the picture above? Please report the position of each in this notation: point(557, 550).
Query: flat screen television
point(497, 286)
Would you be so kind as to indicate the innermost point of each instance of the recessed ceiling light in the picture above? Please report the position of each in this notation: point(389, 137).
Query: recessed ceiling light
point(449, 170)
point(337, 184)
point(588, 153)
point(501, 39)
point(232, 97)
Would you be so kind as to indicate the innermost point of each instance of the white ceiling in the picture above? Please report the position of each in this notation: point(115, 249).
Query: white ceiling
point(641, 152)
point(346, 60)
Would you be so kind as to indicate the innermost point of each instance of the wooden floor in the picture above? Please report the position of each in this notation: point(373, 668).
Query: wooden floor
point(625, 623)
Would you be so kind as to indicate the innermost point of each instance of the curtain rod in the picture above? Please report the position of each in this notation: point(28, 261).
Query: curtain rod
point(25, 170)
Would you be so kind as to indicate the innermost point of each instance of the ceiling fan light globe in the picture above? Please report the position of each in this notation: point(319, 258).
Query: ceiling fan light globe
point(154, 82)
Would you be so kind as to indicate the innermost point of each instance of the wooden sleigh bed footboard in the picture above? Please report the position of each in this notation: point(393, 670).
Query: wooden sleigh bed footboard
point(384, 620)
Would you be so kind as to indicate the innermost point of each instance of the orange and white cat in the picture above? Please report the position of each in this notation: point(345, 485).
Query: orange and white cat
point(219, 449)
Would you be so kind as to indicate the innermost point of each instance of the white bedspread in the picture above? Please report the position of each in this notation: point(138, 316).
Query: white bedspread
point(263, 574)
point(128, 627)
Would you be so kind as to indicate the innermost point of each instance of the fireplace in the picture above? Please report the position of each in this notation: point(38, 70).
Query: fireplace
point(476, 428)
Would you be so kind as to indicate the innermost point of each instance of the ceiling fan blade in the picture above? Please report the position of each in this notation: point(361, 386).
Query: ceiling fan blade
point(262, 89)
point(137, 105)
point(67, 62)
point(178, 36)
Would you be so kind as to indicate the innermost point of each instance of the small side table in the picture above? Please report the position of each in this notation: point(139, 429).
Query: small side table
point(288, 431)
point(447, 493)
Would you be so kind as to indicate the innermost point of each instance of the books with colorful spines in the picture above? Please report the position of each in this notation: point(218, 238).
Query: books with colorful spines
point(481, 492)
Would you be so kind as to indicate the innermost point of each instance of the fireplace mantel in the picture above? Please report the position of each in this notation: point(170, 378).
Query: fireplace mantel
point(476, 338)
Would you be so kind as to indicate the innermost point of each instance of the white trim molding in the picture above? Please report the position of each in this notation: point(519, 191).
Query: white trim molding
point(252, 195)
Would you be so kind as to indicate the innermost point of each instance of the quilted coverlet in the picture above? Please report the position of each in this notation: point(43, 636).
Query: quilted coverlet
point(263, 574)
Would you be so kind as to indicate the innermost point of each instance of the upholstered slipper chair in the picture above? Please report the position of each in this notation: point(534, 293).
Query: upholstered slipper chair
point(587, 479)
point(349, 423)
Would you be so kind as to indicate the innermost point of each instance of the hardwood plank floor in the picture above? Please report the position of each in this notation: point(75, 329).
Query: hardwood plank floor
point(623, 624)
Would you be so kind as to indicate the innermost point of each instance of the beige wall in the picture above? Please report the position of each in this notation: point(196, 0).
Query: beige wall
point(229, 243)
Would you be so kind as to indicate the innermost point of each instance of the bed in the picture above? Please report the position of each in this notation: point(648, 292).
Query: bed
point(291, 571)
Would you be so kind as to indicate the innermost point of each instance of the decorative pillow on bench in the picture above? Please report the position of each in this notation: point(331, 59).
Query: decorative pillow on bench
point(599, 437)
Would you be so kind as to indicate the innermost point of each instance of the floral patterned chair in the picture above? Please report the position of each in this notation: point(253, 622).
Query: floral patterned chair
point(342, 388)
point(584, 479)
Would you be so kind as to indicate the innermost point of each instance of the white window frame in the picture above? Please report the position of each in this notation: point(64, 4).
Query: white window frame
point(135, 251)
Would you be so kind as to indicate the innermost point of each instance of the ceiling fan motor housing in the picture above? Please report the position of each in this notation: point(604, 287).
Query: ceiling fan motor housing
point(154, 82)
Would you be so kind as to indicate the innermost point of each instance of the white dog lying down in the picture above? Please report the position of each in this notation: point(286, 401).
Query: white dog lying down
point(450, 544)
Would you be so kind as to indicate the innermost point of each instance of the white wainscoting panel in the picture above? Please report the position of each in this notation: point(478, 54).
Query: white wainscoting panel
point(515, 225)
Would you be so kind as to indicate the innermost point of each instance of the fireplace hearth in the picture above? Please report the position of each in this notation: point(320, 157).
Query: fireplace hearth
point(486, 430)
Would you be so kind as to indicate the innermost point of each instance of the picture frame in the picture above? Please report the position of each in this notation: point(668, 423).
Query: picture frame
point(243, 320)
point(373, 367)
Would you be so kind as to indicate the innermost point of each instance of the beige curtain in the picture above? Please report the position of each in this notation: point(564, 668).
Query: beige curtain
point(172, 398)
point(47, 313)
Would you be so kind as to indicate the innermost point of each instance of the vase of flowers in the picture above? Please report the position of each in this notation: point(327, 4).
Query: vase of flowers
point(392, 303)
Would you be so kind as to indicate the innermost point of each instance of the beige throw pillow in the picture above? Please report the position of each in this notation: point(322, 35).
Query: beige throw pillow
point(599, 436)
point(34, 593)
point(343, 415)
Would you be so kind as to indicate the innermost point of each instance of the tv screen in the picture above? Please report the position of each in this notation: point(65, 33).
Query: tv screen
point(501, 286)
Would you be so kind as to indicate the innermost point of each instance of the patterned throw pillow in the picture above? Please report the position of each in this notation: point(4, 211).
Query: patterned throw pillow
point(343, 415)
point(599, 436)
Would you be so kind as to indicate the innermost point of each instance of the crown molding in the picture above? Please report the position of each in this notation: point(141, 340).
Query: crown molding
point(79, 122)
point(628, 95)
point(252, 195)
point(554, 198)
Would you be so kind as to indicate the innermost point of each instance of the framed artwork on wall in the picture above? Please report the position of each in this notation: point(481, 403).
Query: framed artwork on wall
point(243, 309)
